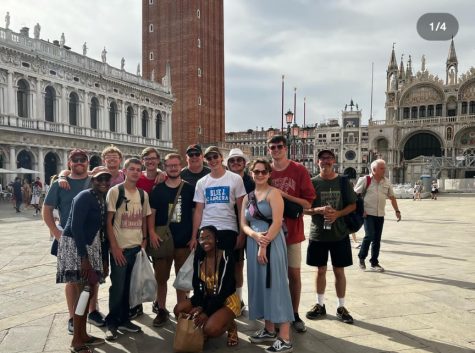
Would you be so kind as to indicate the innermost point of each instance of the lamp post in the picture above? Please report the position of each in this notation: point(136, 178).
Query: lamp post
point(289, 118)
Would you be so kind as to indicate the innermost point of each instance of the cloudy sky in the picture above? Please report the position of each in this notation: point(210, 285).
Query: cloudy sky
point(324, 48)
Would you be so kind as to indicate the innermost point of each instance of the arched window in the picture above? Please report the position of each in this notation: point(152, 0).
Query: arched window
point(22, 98)
point(144, 123)
point(73, 108)
point(130, 117)
point(405, 113)
point(94, 112)
point(50, 95)
point(438, 110)
point(430, 110)
point(158, 126)
point(464, 107)
point(414, 113)
point(422, 112)
point(449, 133)
point(112, 116)
point(199, 43)
point(472, 107)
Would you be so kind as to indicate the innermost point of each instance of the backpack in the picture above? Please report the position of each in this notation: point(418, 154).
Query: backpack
point(121, 198)
point(355, 219)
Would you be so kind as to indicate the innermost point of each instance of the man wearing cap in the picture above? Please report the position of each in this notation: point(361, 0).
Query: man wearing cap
point(293, 181)
point(61, 199)
point(328, 234)
point(236, 163)
point(215, 197)
point(195, 169)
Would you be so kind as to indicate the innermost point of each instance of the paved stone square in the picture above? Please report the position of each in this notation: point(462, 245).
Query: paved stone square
point(424, 302)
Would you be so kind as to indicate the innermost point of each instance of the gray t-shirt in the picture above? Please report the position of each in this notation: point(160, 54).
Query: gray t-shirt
point(62, 199)
point(328, 193)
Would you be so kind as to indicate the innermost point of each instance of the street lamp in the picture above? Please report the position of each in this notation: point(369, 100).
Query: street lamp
point(289, 118)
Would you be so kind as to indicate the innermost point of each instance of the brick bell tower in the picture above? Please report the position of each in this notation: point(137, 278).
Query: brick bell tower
point(189, 36)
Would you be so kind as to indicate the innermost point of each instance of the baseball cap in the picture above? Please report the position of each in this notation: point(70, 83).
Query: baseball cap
point(78, 152)
point(213, 149)
point(99, 171)
point(326, 151)
point(194, 148)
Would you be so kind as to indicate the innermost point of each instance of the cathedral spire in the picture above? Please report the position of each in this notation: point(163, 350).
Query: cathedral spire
point(402, 75)
point(409, 68)
point(392, 62)
point(452, 58)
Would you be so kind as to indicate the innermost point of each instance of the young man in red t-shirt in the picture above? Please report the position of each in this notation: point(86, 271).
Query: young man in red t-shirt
point(293, 180)
point(152, 174)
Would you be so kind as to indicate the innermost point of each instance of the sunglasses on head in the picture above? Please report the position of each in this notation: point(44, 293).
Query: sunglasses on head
point(274, 147)
point(103, 178)
point(235, 160)
point(193, 154)
point(262, 172)
point(210, 157)
point(79, 160)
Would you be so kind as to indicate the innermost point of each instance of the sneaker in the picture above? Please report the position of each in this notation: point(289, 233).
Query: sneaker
point(362, 265)
point(70, 326)
point(96, 318)
point(298, 324)
point(280, 346)
point(263, 336)
point(135, 311)
point(155, 307)
point(129, 327)
point(111, 334)
point(344, 315)
point(377, 268)
point(161, 318)
point(316, 312)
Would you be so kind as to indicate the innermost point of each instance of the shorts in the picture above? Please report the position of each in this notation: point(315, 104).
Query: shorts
point(294, 255)
point(162, 267)
point(340, 252)
point(226, 239)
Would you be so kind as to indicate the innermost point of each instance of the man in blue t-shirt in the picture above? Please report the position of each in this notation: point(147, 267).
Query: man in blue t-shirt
point(78, 163)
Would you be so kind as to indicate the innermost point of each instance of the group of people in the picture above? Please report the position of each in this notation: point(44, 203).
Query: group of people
point(225, 216)
point(29, 194)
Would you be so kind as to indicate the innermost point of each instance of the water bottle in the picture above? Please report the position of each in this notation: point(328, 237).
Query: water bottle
point(82, 302)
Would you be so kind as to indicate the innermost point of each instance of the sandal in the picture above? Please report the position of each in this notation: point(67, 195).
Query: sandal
point(81, 349)
point(94, 341)
point(233, 338)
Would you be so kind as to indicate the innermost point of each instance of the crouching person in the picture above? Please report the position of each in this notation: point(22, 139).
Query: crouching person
point(214, 303)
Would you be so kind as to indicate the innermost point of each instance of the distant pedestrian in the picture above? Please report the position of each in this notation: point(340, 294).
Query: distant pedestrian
point(376, 193)
point(36, 195)
point(434, 190)
point(417, 191)
point(17, 194)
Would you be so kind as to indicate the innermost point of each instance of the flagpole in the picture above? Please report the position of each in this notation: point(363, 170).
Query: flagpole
point(282, 115)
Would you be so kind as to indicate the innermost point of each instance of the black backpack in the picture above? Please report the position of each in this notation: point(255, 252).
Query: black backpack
point(121, 198)
point(355, 219)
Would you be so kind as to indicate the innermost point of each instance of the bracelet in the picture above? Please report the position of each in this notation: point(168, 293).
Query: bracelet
point(62, 177)
point(397, 211)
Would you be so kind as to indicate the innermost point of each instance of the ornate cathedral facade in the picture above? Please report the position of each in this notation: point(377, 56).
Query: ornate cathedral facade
point(430, 122)
point(53, 99)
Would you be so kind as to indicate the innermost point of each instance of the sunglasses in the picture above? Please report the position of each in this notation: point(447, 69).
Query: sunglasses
point(79, 160)
point(262, 172)
point(235, 160)
point(103, 178)
point(193, 154)
point(210, 157)
point(276, 147)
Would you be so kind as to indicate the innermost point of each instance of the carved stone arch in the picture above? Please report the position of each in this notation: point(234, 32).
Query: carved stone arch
point(422, 142)
point(467, 90)
point(465, 138)
point(421, 94)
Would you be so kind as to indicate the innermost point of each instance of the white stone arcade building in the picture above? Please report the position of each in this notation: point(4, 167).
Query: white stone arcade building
point(53, 99)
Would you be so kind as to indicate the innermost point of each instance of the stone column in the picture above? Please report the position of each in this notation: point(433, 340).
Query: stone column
point(10, 95)
point(41, 164)
point(63, 107)
point(169, 126)
point(39, 99)
point(65, 159)
point(10, 177)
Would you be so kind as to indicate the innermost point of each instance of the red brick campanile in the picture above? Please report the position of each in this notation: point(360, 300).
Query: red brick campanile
point(189, 34)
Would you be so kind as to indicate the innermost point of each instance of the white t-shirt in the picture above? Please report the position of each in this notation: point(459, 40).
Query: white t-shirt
point(219, 196)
